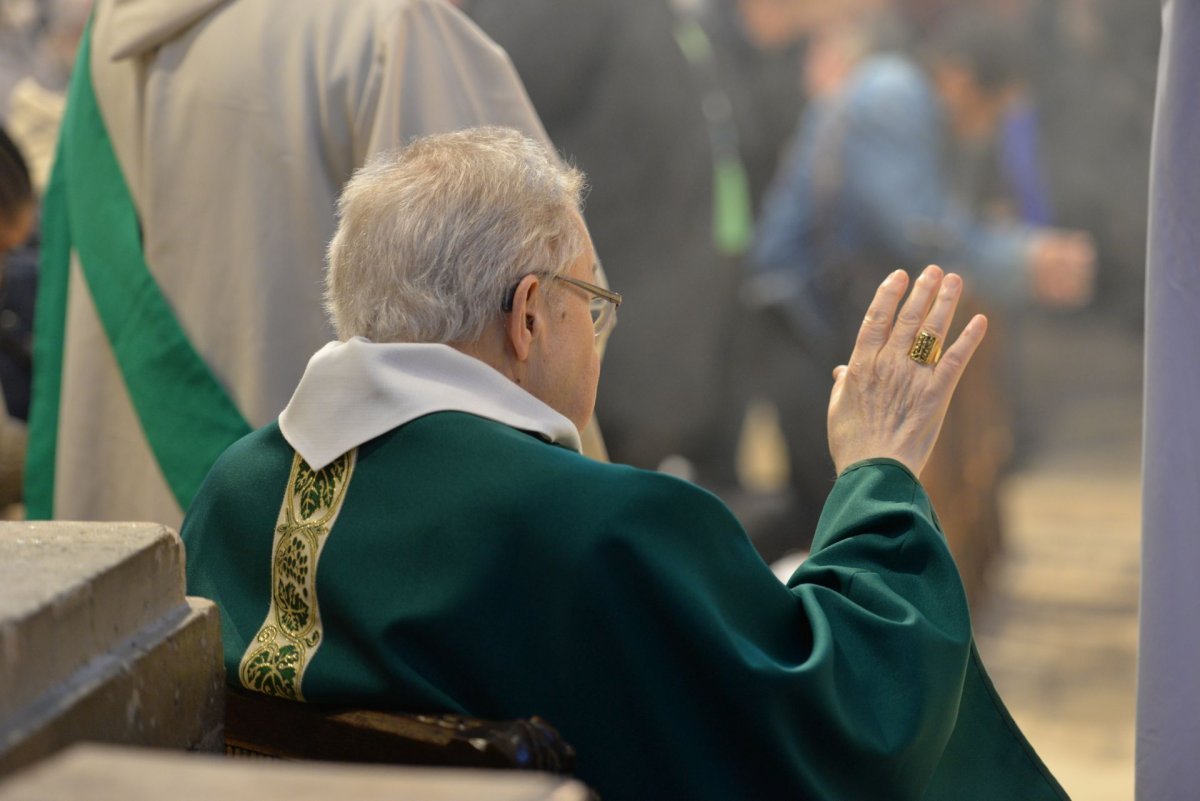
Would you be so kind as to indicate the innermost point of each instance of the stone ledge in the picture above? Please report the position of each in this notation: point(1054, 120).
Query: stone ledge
point(103, 773)
point(162, 687)
point(70, 591)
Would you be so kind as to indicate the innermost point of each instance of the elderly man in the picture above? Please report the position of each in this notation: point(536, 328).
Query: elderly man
point(418, 530)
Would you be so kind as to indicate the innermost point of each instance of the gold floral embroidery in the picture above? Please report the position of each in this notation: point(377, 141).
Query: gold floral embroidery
point(288, 639)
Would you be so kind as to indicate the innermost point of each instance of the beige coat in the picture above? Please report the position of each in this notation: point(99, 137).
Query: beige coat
point(236, 122)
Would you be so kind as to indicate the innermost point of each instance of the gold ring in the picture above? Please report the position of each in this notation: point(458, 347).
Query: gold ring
point(926, 349)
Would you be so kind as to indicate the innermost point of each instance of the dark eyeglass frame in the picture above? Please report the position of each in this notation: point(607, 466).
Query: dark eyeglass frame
point(604, 321)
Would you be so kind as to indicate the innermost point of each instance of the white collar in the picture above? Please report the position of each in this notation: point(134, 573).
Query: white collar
point(354, 391)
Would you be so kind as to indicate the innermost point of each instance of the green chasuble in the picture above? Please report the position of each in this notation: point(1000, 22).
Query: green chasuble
point(470, 567)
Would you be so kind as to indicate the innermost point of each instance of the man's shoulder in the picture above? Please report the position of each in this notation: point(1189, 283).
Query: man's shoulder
point(243, 489)
point(598, 491)
point(243, 466)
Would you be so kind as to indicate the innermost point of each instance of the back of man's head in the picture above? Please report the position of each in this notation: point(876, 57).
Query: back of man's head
point(430, 237)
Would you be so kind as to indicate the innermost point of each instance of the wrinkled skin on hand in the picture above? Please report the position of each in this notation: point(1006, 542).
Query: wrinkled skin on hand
point(883, 403)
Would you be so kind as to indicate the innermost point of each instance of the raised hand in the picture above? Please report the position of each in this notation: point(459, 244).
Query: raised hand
point(885, 403)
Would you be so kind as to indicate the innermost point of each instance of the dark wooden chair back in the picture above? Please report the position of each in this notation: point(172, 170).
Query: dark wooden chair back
point(263, 726)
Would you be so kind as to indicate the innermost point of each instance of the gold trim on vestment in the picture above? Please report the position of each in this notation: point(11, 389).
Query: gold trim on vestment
point(277, 657)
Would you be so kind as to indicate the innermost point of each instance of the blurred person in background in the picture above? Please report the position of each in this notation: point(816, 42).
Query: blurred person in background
point(1094, 65)
point(18, 280)
point(18, 207)
point(204, 146)
point(677, 111)
point(758, 48)
point(620, 98)
point(885, 170)
point(38, 41)
point(19, 21)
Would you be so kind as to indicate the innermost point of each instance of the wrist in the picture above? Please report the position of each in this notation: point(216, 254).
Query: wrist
point(855, 461)
point(874, 461)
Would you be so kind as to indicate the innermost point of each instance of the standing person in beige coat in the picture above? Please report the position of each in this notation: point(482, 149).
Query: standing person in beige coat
point(181, 289)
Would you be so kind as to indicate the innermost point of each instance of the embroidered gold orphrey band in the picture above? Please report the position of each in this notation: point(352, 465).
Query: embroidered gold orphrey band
point(276, 659)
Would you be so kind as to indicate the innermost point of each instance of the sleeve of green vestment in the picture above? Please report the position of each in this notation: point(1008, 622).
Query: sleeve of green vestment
point(845, 682)
point(890, 620)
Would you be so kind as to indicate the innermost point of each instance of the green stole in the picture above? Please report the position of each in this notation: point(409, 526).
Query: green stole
point(185, 413)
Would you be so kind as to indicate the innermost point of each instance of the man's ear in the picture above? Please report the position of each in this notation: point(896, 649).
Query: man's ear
point(525, 319)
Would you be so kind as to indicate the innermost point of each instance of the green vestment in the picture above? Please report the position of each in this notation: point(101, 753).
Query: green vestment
point(476, 568)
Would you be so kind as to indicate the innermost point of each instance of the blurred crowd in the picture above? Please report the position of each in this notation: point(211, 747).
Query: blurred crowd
point(756, 167)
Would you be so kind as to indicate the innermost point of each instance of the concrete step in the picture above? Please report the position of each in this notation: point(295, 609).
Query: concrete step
point(120, 774)
point(69, 591)
point(98, 642)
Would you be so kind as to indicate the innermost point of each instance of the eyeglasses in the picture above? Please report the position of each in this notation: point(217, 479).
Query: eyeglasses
point(603, 305)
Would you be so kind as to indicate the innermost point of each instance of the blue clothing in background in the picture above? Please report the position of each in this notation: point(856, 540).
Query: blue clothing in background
point(864, 188)
point(1021, 164)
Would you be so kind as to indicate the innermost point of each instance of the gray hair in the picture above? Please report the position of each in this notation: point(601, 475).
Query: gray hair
point(431, 237)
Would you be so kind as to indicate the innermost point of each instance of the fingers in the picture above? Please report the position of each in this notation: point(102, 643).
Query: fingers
point(911, 318)
point(956, 357)
point(941, 313)
point(877, 324)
